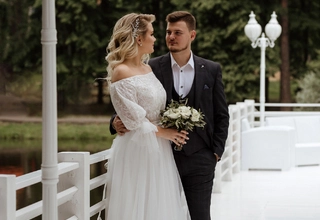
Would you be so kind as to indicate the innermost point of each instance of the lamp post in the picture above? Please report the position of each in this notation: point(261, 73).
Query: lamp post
point(253, 31)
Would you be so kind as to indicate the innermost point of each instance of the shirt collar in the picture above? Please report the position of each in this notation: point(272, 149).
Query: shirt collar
point(190, 62)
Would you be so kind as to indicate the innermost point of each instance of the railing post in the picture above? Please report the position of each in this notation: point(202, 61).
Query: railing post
point(226, 168)
point(80, 178)
point(217, 179)
point(237, 141)
point(250, 110)
point(8, 197)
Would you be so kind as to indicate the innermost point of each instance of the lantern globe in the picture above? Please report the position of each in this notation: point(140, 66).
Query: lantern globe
point(273, 28)
point(252, 29)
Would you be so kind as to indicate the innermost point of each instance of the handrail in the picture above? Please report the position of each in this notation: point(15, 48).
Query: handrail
point(35, 177)
point(289, 104)
point(100, 156)
point(287, 113)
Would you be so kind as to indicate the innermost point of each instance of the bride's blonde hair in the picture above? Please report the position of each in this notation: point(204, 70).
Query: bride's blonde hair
point(123, 43)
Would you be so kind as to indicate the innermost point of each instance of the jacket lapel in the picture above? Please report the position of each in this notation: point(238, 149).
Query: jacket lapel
point(167, 77)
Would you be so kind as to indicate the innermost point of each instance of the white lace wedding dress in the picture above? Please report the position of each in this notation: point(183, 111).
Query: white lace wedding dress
point(143, 181)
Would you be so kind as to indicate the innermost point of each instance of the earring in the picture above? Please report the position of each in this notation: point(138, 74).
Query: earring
point(140, 44)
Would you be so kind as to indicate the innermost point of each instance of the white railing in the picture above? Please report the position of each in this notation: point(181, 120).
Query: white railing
point(74, 188)
point(75, 185)
point(285, 113)
point(230, 161)
point(289, 113)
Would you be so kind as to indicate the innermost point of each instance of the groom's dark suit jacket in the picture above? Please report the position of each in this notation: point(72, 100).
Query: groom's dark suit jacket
point(209, 97)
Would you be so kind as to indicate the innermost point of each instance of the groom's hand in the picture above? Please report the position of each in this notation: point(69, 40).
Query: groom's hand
point(217, 157)
point(119, 126)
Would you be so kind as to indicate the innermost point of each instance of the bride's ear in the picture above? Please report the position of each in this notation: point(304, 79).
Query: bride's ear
point(139, 41)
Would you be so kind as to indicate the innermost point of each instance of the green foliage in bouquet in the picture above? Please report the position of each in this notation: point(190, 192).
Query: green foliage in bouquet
point(181, 116)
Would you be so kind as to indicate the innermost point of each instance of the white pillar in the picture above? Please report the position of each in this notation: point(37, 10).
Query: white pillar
point(49, 112)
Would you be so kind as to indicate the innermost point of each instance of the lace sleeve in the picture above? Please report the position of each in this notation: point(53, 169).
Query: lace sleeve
point(125, 101)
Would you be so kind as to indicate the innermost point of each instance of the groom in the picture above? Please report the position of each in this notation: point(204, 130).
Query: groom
point(184, 74)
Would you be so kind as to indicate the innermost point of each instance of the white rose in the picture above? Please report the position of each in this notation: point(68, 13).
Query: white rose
point(166, 113)
point(172, 114)
point(185, 111)
point(195, 115)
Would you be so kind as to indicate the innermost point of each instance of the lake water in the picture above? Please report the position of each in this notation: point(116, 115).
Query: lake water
point(21, 157)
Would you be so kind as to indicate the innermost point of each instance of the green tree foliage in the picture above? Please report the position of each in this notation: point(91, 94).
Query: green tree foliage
point(84, 28)
point(17, 32)
point(304, 25)
point(314, 64)
point(18, 40)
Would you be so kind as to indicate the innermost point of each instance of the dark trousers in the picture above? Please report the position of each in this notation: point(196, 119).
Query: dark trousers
point(197, 174)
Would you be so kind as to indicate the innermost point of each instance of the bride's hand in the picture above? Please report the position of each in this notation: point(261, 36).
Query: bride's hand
point(179, 138)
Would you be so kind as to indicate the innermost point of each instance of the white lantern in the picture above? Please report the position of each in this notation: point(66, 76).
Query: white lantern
point(252, 29)
point(273, 28)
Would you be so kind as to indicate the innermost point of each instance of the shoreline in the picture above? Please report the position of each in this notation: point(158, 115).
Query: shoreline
point(68, 119)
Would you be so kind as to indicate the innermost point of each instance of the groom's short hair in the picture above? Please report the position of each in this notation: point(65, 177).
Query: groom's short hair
point(182, 16)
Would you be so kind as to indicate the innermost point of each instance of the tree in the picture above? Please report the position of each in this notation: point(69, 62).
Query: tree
point(17, 40)
point(84, 29)
point(285, 91)
point(80, 48)
point(304, 35)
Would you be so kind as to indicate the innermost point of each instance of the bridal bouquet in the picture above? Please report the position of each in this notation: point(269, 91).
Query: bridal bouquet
point(182, 117)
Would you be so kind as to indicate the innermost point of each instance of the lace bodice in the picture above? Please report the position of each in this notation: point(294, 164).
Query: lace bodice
point(138, 99)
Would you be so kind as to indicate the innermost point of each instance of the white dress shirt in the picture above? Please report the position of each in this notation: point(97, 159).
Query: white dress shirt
point(183, 76)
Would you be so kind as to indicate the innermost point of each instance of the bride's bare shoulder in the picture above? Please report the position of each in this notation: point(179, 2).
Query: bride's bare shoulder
point(120, 72)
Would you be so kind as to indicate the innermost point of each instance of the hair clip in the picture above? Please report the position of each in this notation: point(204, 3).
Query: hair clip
point(136, 27)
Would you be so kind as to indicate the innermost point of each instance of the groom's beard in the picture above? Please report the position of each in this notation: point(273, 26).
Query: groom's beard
point(173, 50)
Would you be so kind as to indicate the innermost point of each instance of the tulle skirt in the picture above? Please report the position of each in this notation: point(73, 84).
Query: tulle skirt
point(143, 181)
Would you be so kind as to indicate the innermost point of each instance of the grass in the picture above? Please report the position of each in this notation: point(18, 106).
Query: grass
point(66, 131)
point(274, 91)
point(88, 137)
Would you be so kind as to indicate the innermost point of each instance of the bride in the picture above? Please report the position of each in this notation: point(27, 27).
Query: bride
point(143, 181)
